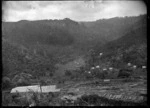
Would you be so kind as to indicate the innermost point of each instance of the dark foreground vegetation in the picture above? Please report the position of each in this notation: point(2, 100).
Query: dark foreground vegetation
point(96, 100)
point(52, 99)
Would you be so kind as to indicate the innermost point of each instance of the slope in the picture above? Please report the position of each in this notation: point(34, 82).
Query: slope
point(132, 47)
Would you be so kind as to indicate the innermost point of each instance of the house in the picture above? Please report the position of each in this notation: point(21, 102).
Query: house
point(92, 68)
point(97, 66)
point(100, 54)
point(129, 64)
point(110, 68)
point(134, 66)
point(143, 67)
point(35, 88)
point(104, 69)
point(106, 80)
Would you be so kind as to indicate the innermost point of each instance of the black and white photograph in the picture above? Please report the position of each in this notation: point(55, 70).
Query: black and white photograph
point(74, 53)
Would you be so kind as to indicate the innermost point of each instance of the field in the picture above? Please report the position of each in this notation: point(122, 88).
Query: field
point(116, 92)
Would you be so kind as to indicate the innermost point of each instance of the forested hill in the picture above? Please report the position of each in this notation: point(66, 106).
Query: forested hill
point(69, 34)
point(34, 47)
point(114, 28)
point(132, 47)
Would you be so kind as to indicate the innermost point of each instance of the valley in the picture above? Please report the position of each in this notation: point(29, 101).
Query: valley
point(67, 54)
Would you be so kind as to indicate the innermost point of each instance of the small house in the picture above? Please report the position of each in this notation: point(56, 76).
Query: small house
point(106, 80)
point(97, 66)
point(110, 68)
point(100, 54)
point(134, 66)
point(143, 67)
point(89, 72)
point(93, 68)
point(129, 64)
point(104, 69)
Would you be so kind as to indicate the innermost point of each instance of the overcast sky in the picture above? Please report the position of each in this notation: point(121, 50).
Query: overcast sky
point(75, 10)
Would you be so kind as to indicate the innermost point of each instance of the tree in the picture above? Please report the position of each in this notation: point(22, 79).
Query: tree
point(6, 83)
point(22, 82)
point(124, 73)
point(68, 73)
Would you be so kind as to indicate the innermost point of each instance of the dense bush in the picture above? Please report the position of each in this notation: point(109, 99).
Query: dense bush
point(24, 64)
point(124, 73)
point(88, 76)
point(36, 99)
point(68, 73)
point(6, 83)
point(22, 82)
point(99, 74)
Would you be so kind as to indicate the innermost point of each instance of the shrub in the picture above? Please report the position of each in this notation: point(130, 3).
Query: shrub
point(92, 99)
point(6, 99)
point(68, 73)
point(99, 74)
point(6, 83)
point(88, 76)
point(51, 74)
point(22, 82)
point(123, 73)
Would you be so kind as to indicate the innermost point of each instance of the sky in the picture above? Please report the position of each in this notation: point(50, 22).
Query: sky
point(90, 10)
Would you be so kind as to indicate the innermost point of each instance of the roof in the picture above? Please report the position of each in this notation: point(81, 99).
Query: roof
point(36, 88)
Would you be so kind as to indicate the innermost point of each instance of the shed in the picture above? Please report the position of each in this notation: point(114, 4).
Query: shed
point(35, 88)
point(106, 80)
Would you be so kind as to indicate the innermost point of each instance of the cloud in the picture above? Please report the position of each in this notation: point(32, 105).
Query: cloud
point(76, 10)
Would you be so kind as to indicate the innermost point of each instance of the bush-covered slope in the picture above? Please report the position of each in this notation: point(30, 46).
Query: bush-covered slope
point(132, 47)
point(114, 28)
point(28, 46)
point(18, 60)
point(68, 34)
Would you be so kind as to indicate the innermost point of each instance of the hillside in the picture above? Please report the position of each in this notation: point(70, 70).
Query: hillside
point(114, 28)
point(18, 60)
point(63, 41)
point(130, 48)
point(66, 37)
